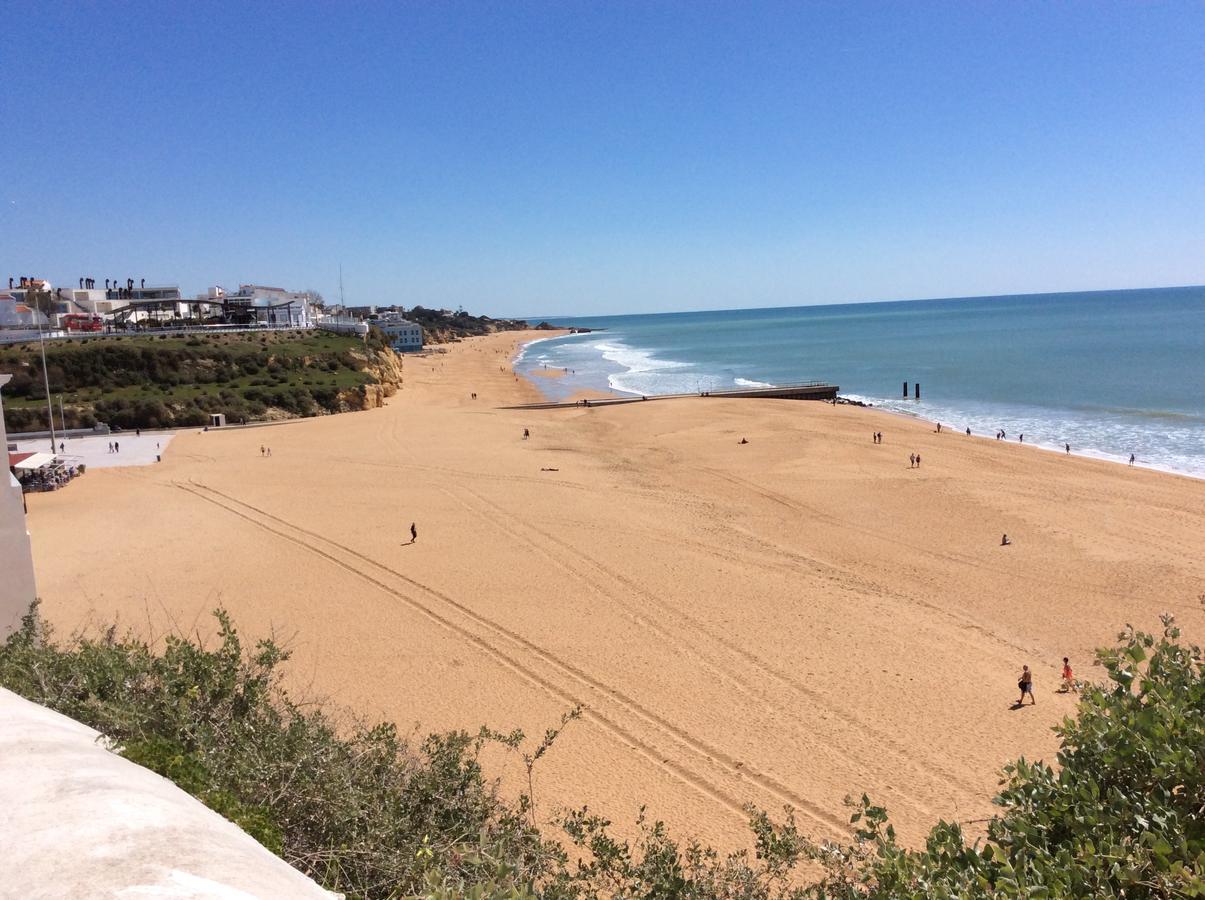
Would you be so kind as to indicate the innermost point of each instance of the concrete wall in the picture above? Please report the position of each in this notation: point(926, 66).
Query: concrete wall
point(79, 821)
point(17, 588)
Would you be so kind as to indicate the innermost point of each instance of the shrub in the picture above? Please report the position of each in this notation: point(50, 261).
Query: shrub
point(366, 813)
point(1124, 816)
point(361, 812)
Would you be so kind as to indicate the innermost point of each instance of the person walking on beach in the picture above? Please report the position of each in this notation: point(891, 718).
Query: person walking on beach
point(1131, 459)
point(939, 427)
point(110, 446)
point(413, 533)
point(261, 449)
point(1068, 676)
point(1026, 686)
point(526, 434)
point(1068, 446)
point(968, 432)
point(911, 460)
point(918, 460)
point(117, 446)
point(1022, 437)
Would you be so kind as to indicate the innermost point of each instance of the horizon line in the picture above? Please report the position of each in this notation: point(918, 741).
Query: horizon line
point(548, 316)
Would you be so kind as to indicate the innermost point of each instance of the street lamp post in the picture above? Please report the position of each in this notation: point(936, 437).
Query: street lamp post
point(46, 382)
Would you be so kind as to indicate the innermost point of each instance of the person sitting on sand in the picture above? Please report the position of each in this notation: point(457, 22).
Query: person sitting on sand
point(1004, 541)
point(744, 440)
point(1068, 676)
point(1026, 686)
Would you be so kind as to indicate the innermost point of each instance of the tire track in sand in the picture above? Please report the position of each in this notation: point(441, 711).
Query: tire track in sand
point(730, 767)
point(953, 556)
point(874, 736)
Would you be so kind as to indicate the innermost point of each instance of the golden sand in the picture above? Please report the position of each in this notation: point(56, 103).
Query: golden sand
point(782, 622)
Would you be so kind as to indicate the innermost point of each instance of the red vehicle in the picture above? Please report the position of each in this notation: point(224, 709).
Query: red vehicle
point(81, 322)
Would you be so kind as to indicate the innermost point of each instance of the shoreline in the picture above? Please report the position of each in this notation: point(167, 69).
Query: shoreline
point(1096, 455)
point(1092, 455)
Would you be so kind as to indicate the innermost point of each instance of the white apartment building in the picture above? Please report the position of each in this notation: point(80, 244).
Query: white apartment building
point(404, 336)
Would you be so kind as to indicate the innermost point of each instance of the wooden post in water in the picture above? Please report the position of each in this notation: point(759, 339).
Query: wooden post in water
point(916, 391)
point(905, 390)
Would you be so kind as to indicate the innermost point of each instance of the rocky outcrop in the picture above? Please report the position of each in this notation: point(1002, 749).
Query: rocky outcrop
point(385, 366)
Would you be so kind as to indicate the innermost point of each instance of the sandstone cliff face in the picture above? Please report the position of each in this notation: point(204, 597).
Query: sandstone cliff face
point(386, 367)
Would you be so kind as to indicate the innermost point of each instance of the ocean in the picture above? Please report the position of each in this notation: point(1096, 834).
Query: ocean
point(1110, 372)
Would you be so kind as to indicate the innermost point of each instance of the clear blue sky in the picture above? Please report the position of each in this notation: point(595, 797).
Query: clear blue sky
point(581, 158)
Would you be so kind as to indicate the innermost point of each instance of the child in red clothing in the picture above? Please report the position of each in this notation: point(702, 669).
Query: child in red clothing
point(1068, 676)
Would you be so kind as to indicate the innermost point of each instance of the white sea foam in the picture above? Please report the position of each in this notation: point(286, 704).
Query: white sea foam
point(1110, 438)
point(644, 373)
point(747, 382)
point(519, 357)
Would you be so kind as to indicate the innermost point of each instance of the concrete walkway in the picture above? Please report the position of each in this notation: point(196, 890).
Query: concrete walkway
point(79, 821)
point(93, 450)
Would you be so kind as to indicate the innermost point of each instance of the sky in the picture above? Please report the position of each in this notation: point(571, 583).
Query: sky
point(576, 158)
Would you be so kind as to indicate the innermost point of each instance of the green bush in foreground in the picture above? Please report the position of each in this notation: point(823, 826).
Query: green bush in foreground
point(362, 811)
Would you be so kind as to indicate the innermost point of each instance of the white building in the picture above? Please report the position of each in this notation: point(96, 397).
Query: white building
point(404, 335)
point(15, 314)
point(272, 305)
point(17, 588)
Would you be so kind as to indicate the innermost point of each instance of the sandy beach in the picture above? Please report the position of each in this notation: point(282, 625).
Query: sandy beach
point(783, 622)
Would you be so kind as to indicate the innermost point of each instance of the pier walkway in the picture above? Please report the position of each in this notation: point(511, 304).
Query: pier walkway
point(804, 390)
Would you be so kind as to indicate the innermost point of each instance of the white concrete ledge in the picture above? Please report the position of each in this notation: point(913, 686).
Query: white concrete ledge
point(79, 821)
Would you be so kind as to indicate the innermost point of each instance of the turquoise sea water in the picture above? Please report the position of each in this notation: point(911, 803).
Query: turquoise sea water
point(1110, 372)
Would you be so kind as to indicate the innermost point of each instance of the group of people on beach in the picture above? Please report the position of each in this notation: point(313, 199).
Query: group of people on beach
point(914, 459)
point(265, 451)
point(1001, 435)
point(114, 447)
point(1025, 684)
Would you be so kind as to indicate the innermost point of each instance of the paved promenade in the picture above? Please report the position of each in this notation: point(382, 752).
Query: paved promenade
point(93, 450)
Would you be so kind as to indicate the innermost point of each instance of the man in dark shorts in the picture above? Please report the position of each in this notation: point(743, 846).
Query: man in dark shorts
point(1026, 686)
point(413, 533)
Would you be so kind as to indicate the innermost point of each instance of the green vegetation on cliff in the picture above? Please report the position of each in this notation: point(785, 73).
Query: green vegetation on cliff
point(440, 327)
point(178, 380)
point(365, 812)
